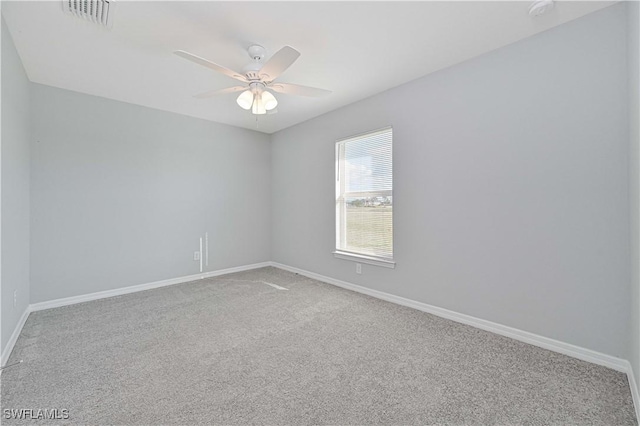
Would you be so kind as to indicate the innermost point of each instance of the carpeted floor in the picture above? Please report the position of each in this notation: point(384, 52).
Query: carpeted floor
point(233, 350)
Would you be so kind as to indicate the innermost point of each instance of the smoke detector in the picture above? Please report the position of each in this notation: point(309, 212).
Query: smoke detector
point(97, 11)
point(540, 7)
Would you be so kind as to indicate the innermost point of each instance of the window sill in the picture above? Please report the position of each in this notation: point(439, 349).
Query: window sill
point(364, 259)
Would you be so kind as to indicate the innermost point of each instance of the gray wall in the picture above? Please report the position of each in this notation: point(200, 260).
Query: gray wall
point(15, 187)
point(633, 61)
point(122, 193)
point(510, 186)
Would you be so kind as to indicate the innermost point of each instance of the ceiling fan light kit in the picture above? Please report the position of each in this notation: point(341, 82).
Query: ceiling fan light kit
point(245, 100)
point(258, 106)
point(257, 99)
point(257, 77)
point(270, 101)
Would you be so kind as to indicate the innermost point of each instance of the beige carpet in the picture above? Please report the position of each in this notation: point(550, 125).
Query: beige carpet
point(234, 350)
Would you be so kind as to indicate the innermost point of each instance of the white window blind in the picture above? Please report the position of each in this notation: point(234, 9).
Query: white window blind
point(364, 195)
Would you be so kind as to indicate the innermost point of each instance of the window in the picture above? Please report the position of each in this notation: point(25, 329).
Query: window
point(364, 198)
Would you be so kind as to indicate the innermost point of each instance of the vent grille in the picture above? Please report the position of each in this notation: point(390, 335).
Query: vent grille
point(97, 11)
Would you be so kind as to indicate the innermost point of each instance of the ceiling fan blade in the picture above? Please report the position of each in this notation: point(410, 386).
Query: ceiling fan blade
point(212, 93)
point(210, 65)
point(278, 63)
point(272, 111)
point(296, 89)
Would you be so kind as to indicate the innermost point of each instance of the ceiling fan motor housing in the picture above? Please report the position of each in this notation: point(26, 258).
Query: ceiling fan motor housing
point(251, 70)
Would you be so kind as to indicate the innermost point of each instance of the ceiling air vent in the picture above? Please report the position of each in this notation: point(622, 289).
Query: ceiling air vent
point(97, 11)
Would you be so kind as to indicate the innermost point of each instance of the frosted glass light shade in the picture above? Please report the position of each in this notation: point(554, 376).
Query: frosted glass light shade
point(245, 100)
point(269, 101)
point(258, 105)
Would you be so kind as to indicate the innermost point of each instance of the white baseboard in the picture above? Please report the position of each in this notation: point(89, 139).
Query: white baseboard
point(514, 333)
point(141, 287)
point(634, 390)
point(574, 351)
point(584, 354)
point(111, 293)
point(14, 336)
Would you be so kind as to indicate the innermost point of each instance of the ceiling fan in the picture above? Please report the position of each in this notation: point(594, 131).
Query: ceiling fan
point(257, 77)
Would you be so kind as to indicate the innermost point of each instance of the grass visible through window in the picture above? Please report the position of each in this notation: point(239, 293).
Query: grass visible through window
point(370, 230)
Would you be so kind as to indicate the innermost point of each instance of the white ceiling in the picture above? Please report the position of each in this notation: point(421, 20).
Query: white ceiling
point(355, 49)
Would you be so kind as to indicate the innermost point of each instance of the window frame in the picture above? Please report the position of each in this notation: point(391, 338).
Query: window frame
point(341, 206)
